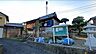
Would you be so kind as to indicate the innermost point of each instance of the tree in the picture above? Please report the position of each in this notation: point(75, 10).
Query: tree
point(78, 23)
point(64, 20)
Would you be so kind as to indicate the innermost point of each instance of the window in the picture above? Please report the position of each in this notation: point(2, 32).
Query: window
point(45, 24)
point(50, 23)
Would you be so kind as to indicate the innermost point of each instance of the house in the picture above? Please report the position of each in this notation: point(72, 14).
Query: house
point(42, 26)
point(3, 20)
point(30, 27)
point(13, 30)
point(93, 19)
point(47, 22)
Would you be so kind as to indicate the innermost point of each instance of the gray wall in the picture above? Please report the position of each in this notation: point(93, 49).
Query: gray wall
point(61, 49)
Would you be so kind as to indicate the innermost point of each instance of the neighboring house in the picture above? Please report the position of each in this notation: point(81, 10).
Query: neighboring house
point(13, 30)
point(42, 26)
point(3, 20)
point(30, 27)
point(93, 19)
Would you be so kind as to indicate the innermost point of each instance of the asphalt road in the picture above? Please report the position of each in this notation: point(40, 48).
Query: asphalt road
point(15, 47)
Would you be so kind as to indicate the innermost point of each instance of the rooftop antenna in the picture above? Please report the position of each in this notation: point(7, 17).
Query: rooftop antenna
point(46, 7)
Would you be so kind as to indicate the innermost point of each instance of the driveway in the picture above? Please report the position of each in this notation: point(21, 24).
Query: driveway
point(15, 47)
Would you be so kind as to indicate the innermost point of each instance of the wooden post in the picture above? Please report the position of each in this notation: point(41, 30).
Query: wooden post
point(53, 35)
point(85, 53)
point(54, 39)
point(37, 28)
point(67, 34)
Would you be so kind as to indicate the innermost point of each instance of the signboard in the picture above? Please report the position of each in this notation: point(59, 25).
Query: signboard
point(60, 31)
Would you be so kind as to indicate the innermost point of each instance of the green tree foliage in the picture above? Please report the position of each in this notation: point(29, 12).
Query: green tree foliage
point(64, 20)
point(78, 23)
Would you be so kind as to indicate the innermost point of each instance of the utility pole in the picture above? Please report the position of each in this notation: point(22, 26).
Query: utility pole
point(46, 7)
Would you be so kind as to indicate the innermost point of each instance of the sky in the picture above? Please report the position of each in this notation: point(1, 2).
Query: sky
point(24, 10)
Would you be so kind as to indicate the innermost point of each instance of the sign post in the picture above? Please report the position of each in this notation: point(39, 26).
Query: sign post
point(60, 30)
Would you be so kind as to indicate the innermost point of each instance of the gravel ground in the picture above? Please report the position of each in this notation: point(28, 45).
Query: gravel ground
point(14, 47)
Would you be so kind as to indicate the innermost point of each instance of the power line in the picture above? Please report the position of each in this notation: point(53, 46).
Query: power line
point(87, 6)
point(84, 11)
point(79, 8)
point(87, 10)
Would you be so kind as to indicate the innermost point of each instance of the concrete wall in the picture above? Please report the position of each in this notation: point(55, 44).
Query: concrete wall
point(61, 49)
point(13, 32)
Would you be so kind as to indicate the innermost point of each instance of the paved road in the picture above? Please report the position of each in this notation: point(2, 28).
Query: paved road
point(14, 47)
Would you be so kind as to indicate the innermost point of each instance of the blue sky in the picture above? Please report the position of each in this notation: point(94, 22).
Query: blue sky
point(21, 11)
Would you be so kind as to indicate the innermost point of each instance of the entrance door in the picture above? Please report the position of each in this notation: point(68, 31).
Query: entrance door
point(1, 32)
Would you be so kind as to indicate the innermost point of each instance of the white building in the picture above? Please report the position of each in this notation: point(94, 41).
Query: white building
point(3, 20)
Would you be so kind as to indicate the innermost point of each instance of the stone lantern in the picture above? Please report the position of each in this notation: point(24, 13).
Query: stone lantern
point(91, 40)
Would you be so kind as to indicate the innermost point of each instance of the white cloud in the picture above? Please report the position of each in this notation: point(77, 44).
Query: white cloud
point(21, 11)
point(18, 12)
point(24, 11)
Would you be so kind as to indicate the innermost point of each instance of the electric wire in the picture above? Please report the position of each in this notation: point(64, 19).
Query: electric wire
point(79, 8)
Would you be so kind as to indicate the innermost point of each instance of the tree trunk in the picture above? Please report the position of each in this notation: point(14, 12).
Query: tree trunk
point(79, 30)
point(37, 28)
